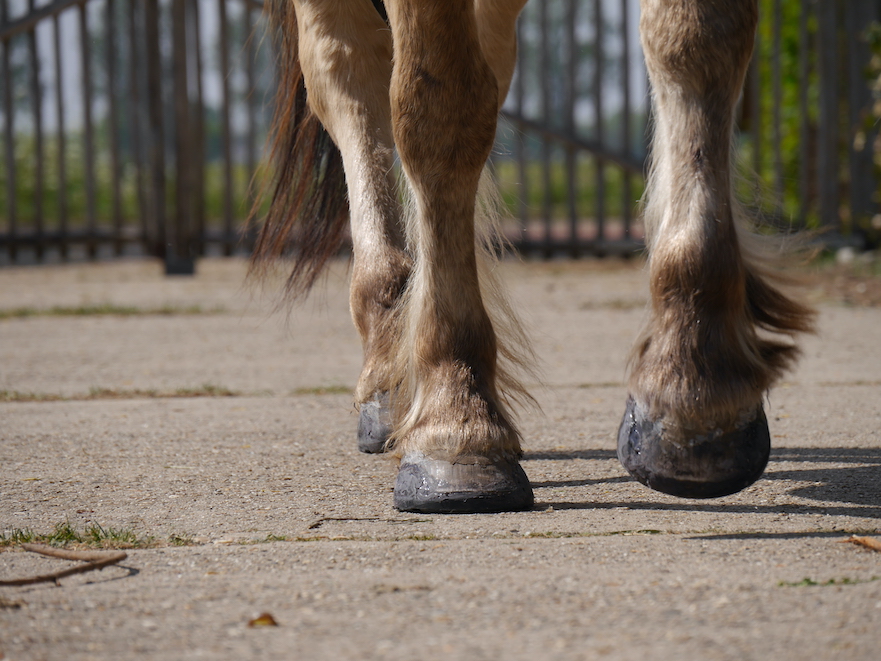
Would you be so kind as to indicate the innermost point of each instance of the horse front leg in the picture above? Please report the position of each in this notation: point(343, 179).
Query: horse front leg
point(459, 447)
point(695, 424)
point(345, 53)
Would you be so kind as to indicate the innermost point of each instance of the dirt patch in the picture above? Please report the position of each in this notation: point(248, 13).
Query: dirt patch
point(857, 285)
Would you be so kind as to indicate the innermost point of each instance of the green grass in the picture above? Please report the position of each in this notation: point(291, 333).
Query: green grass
point(205, 390)
point(585, 193)
point(28, 197)
point(106, 309)
point(18, 396)
point(181, 540)
point(566, 535)
point(93, 536)
point(809, 582)
point(323, 390)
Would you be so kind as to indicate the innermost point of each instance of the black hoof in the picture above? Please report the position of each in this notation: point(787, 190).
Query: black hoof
point(466, 484)
point(708, 465)
point(374, 425)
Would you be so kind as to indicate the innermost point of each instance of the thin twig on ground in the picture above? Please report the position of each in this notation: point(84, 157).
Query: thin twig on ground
point(93, 560)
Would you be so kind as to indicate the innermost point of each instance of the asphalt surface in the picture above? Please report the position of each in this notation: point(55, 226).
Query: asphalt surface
point(259, 474)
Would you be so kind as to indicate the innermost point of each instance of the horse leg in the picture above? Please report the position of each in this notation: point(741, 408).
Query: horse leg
point(459, 447)
point(694, 424)
point(345, 54)
point(497, 33)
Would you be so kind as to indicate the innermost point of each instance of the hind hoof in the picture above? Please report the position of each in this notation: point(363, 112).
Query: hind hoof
point(374, 425)
point(708, 465)
point(464, 484)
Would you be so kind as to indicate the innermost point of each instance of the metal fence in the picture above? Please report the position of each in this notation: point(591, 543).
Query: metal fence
point(807, 118)
point(137, 126)
point(572, 170)
point(129, 127)
point(572, 147)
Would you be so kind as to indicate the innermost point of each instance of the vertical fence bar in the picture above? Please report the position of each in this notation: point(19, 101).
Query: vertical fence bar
point(859, 15)
point(777, 100)
point(250, 98)
point(804, 124)
point(37, 108)
point(9, 139)
point(520, 143)
point(544, 76)
point(177, 229)
point(64, 238)
point(227, 132)
point(135, 80)
point(827, 152)
point(571, 49)
point(755, 82)
point(198, 125)
point(179, 257)
point(88, 135)
point(156, 140)
point(598, 112)
point(113, 128)
point(626, 149)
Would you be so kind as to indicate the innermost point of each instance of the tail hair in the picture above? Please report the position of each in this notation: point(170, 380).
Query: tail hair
point(308, 206)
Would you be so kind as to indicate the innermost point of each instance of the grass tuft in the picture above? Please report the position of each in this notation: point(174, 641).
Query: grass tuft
point(106, 309)
point(181, 540)
point(809, 582)
point(93, 536)
point(324, 390)
point(18, 536)
point(18, 396)
point(205, 390)
point(566, 535)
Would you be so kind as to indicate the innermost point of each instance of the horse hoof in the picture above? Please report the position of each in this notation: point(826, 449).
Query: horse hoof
point(374, 425)
point(461, 485)
point(708, 465)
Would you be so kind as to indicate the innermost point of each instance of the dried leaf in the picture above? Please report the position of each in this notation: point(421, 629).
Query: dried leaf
point(263, 620)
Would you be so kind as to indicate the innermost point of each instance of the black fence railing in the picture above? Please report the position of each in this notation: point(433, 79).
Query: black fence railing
point(136, 127)
point(129, 127)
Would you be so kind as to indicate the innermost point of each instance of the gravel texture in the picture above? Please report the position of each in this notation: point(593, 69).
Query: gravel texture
point(283, 515)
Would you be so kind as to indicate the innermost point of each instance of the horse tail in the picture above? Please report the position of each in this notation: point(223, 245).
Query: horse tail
point(308, 207)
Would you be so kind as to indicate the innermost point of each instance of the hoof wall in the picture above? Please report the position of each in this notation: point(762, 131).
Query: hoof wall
point(465, 484)
point(708, 465)
point(374, 425)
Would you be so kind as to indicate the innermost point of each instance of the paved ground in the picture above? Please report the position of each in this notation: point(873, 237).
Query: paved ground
point(601, 568)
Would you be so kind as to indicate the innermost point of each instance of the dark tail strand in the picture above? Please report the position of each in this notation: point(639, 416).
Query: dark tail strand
point(308, 210)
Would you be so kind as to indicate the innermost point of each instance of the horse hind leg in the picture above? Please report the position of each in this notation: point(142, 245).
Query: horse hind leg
point(694, 424)
point(345, 54)
point(459, 446)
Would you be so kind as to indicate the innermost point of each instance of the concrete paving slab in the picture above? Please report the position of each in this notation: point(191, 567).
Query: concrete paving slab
point(285, 516)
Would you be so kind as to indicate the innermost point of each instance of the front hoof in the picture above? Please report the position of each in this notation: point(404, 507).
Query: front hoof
point(374, 425)
point(461, 485)
point(700, 465)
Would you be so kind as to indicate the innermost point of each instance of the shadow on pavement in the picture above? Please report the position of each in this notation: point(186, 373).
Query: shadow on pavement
point(567, 455)
point(855, 485)
point(732, 508)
